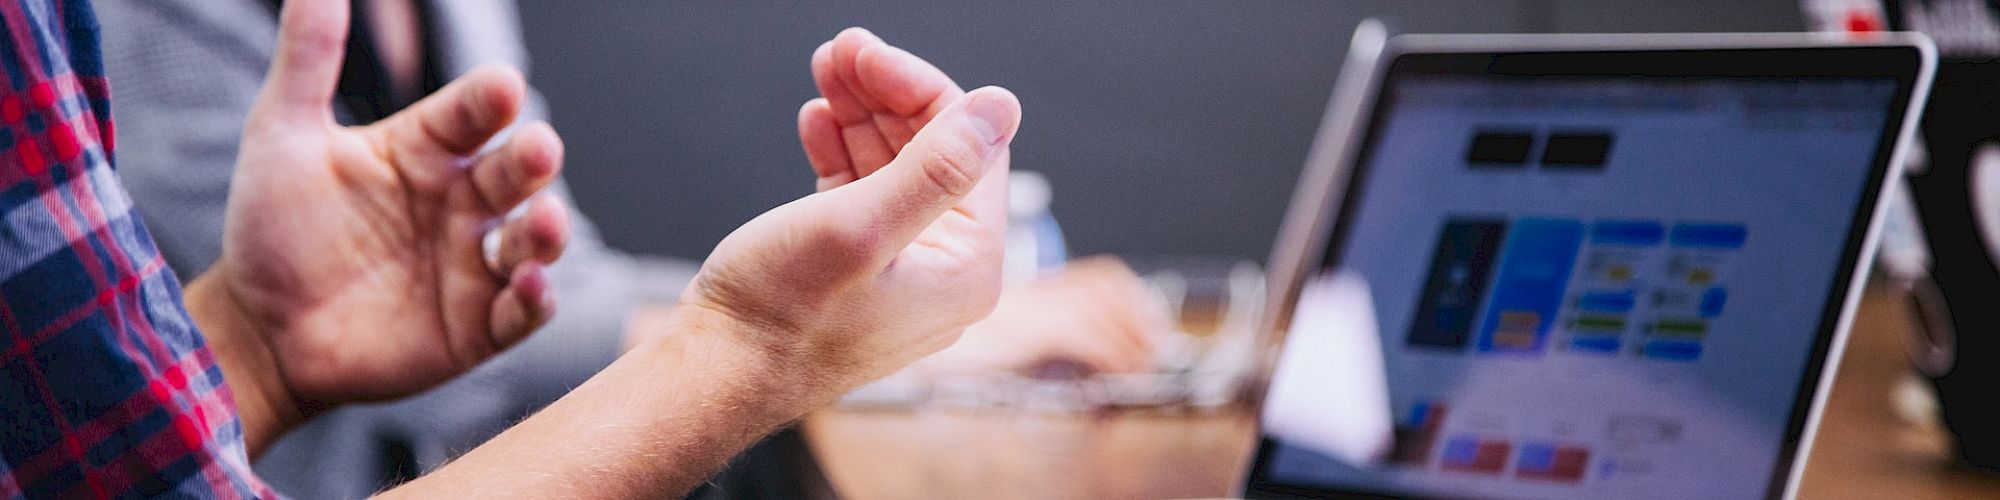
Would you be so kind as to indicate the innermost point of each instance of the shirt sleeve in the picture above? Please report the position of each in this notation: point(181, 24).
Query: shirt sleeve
point(107, 388)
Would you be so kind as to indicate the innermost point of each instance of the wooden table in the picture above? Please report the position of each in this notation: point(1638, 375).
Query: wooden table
point(1864, 451)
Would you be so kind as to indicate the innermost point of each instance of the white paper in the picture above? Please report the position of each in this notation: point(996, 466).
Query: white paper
point(1329, 393)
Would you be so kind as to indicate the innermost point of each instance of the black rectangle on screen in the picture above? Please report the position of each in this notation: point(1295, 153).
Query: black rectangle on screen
point(1457, 283)
point(1577, 150)
point(1500, 148)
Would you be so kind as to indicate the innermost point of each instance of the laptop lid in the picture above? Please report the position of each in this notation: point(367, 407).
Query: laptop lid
point(1603, 266)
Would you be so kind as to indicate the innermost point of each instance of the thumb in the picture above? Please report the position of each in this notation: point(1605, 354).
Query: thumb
point(305, 70)
point(939, 168)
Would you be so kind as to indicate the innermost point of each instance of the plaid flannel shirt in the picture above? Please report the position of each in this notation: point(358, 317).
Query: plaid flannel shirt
point(106, 387)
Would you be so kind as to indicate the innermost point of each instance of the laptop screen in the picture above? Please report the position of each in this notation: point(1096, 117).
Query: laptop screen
point(1599, 285)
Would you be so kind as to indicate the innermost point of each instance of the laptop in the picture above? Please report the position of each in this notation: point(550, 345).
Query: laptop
point(1600, 266)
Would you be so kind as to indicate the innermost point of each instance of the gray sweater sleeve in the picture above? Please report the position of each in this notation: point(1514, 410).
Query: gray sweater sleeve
point(185, 73)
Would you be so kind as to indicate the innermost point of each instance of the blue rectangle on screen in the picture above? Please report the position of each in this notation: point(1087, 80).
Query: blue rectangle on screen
point(1594, 344)
point(1536, 458)
point(1673, 350)
point(1420, 413)
point(1535, 266)
point(1611, 302)
point(1712, 301)
point(1628, 233)
point(1710, 235)
point(1461, 451)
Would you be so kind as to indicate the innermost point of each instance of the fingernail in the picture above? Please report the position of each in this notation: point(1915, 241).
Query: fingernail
point(990, 118)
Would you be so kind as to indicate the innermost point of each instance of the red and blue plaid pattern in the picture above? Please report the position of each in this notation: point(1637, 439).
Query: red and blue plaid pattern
point(106, 387)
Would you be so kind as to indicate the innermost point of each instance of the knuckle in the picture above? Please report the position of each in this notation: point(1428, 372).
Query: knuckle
point(953, 170)
point(474, 108)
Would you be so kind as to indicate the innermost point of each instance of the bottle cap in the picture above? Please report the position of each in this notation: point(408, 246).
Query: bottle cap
point(1028, 194)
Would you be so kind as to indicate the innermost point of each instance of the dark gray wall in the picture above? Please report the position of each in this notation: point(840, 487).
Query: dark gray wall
point(1169, 127)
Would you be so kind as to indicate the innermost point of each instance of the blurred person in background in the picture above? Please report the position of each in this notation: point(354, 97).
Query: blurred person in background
point(189, 71)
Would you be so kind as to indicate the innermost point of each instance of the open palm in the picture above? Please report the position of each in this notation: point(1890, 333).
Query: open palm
point(361, 247)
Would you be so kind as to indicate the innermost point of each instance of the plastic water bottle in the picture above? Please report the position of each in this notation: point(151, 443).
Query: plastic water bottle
point(1034, 240)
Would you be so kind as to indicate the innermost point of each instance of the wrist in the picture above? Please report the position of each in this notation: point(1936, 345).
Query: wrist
point(657, 422)
point(249, 368)
point(789, 377)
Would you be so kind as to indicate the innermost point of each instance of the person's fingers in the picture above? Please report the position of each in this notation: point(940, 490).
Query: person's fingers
point(1135, 349)
point(902, 91)
point(527, 302)
point(819, 132)
point(840, 99)
point(867, 149)
point(538, 235)
point(879, 94)
point(1116, 294)
point(1125, 359)
point(903, 84)
point(529, 161)
point(988, 201)
point(851, 106)
point(847, 47)
point(1099, 346)
point(1125, 295)
point(946, 162)
point(305, 69)
point(1117, 327)
point(461, 117)
point(896, 133)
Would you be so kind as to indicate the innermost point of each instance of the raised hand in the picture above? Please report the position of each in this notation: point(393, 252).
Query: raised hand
point(874, 97)
point(355, 253)
point(796, 307)
point(896, 254)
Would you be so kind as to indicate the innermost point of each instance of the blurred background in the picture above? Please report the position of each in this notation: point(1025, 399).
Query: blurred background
point(679, 116)
point(1167, 129)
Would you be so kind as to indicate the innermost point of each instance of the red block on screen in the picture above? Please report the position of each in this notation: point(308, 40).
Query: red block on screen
point(1564, 464)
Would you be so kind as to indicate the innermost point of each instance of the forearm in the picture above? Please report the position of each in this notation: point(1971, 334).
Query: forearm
point(248, 367)
point(655, 423)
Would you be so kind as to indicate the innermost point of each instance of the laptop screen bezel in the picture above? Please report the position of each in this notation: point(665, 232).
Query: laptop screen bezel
point(1909, 62)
